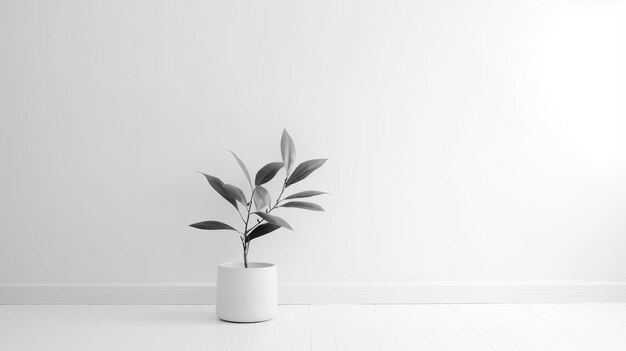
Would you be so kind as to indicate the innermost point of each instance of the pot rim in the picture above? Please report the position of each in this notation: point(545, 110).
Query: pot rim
point(251, 265)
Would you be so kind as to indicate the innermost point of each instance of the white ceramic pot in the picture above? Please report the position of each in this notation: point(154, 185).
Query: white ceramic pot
point(246, 294)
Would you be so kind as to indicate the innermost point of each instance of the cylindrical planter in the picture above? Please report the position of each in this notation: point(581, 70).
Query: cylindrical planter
point(246, 294)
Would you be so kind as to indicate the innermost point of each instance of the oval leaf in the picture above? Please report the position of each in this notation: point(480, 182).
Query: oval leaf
point(212, 225)
point(218, 185)
point(268, 172)
point(307, 193)
point(236, 194)
point(303, 204)
point(274, 220)
point(261, 230)
point(288, 150)
point(261, 198)
point(304, 169)
point(243, 168)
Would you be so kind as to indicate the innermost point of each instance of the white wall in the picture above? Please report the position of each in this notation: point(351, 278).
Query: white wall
point(468, 141)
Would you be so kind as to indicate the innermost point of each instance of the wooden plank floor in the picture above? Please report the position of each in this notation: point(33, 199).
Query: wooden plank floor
point(593, 326)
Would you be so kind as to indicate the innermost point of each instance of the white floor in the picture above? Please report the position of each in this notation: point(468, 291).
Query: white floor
point(318, 327)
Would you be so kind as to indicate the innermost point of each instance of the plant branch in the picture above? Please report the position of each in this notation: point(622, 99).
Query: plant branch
point(240, 215)
point(279, 195)
point(273, 207)
point(248, 215)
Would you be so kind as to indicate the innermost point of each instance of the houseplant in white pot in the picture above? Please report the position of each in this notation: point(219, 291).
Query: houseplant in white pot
point(247, 291)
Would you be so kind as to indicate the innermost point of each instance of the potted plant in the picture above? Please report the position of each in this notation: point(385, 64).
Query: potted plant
point(247, 291)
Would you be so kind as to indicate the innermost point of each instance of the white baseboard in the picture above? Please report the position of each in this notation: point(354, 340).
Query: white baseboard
point(320, 293)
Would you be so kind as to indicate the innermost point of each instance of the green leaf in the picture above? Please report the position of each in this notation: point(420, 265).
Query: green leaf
point(237, 194)
point(274, 220)
point(243, 168)
point(304, 169)
point(307, 193)
point(261, 198)
point(212, 225)
point(288, 150)
point(261, 230)
point(303, 204)
point(219, 186)
point(268, 172)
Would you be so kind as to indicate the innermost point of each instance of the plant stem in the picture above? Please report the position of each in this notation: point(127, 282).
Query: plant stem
point(246, 231)
point(245, 256)
point(246, 243)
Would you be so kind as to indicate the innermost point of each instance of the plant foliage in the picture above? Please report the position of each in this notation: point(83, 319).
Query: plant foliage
point(304, 170)
point(268, 172)
point(260, 222)
point(212, 225)
point(303, 204)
